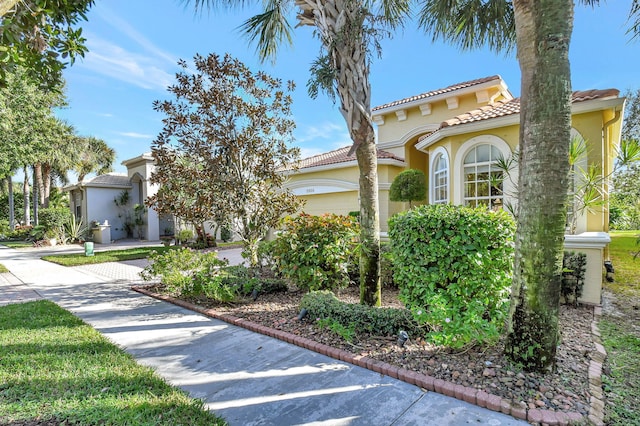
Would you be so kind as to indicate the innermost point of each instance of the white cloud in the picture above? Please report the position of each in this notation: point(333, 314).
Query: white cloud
point(135, 135)
point(316, 139)
point(326, 130)
point(144, 67)
point(104, 114)
point(113, 61)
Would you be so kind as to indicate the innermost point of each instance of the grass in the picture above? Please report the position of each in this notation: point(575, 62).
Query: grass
point(77, 259)
point(3, 269)
point(55, 368)
point(621, 334)
point(16, 244)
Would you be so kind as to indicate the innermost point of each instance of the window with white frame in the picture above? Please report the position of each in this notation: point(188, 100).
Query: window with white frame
point(440, 179)
point(483, 179)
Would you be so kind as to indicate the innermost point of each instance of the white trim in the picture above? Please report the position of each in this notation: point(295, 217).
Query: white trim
point(458, 168)
point(587, 240)
point(433, 157)
point(416, 131)
point(401, 114)
point(425, 109)
point(347, 164)
point(452, 102)
point(327, 186)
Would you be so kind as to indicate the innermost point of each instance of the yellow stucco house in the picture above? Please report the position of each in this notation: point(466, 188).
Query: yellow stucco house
point(455, 135)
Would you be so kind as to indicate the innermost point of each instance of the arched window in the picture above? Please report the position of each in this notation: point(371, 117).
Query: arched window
point(440, 177)
point(483, 180)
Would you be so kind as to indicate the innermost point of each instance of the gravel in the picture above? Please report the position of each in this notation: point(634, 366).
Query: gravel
point(481, 367)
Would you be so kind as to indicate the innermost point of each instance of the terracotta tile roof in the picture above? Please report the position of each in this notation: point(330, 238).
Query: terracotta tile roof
point(504, 108)
point(109, 179)
point(339, 156)
point(448, 89)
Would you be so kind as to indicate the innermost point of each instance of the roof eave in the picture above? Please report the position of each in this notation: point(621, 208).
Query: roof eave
point(443, 96)
point(493, 123)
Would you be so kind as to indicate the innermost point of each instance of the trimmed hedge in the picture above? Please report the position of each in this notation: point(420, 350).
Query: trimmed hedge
point(454, 267)
point(323, 305)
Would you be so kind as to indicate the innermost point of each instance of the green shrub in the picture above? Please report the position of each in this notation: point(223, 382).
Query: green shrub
point(225, 234)
point(245, 280)
point(324, 305)
point(53, 218)
point(185, 235)
point(20, 233)
point(314, 251)
point(189, 273)
point(454, 266)
point(574, 268)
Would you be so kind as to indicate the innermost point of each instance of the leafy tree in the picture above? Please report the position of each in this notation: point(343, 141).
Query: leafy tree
point(184, 187)
point(24, 107)
point(349, 32)
point(231, 129)
point(410, 185)
point(41, 35)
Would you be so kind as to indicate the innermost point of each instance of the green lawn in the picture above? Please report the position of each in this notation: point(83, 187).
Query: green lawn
point(16, 244)
point(3, 269)
point(621, 333)
point(77, 259)
point(55, 369)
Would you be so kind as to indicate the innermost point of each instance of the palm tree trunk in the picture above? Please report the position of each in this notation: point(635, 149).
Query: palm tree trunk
point(342, 32)
point(46, 184)
point(38, 181)
point(12, 211)
point(25, 193)
point(543, 34)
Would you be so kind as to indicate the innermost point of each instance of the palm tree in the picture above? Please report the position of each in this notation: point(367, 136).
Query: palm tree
point(94, 156)
point(349, 32)
point(542, 30)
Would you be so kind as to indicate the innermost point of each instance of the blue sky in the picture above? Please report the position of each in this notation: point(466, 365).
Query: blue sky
point(134, 47)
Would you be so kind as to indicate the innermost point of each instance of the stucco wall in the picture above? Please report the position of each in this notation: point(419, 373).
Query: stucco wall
point(100, 207)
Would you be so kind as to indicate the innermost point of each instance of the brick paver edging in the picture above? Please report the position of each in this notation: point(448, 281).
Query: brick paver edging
point(464, 393)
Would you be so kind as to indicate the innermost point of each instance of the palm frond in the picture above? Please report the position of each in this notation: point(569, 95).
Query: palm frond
point(470, 24)
point(628, 152)
point(393, 12)
point(269, 29)
point(634, 19)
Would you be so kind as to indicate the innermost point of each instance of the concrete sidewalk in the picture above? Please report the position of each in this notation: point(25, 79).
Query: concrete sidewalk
point(245, 377)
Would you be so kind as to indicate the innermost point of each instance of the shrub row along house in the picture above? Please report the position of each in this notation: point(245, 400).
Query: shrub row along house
point(459, 136)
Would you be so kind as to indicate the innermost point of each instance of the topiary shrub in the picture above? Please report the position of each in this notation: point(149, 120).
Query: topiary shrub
point(454, 266)
point(574, 268)
point(410, 185)
point(324, 305)
point(314, 251)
